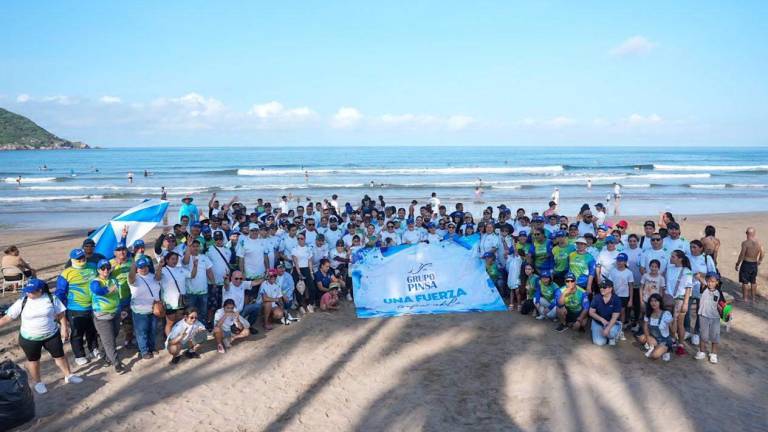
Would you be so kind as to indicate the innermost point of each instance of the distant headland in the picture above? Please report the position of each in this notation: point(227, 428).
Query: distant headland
point(20, 133)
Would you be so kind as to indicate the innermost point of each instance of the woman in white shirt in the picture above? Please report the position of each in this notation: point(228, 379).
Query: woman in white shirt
point(188, 332)
point(302, 270)
point(173, 286)
point(41, 313)
point(656, 329)
point(145, 291)
point(489, 241)
point(679, 280)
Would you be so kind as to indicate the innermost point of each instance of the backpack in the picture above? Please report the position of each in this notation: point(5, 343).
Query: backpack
point(24, 302)
point(527, 307)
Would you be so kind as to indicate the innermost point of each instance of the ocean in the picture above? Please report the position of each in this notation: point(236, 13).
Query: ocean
point(82, 189)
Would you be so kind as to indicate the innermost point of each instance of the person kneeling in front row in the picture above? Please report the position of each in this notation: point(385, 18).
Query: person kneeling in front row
point(605, 310)
point(229, 326)
point(187, 332)
point(572, 304)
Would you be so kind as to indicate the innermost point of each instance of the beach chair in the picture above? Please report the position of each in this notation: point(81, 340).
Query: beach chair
point(12, 281)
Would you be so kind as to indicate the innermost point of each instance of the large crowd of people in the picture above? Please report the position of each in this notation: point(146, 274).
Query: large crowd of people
point(223, 274)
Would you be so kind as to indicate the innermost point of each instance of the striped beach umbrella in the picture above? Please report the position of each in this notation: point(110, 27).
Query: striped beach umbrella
point(140, 220)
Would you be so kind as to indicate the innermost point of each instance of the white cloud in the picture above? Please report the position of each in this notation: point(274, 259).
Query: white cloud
point(191, 111)
point(61, 100)
point(640, 120)
point(553, 123)
point(22, 98)
point(110, 100)
point(346, 117)
point(560, 121)
point(276, 111)
point(634, 45)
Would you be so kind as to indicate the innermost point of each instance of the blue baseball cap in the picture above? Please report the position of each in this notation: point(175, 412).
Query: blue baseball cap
point(713, 275)
point(206, 230)
point(409, 221)
point(570, 276)
point(138, 244)
point(489, 255)
point(622, 257)
point(77, 254)
point(538, 219)
point(103, 263)
point(33, 285)
point(142, 262)
point(610, 239)
point(560, 233)
point(196, 225)
point(430, 225)
point(545, 273)
point(602, 227)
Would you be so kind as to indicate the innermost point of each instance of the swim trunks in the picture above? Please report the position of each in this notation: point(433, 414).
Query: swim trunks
point(748, 272)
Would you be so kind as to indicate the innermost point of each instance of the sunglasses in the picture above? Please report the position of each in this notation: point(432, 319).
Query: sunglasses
point(570, 280)
point(605, 287)
point(655, 239)
point(237, 278)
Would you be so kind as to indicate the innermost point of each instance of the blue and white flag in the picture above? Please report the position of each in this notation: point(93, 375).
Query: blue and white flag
point(423, 279)
point(140, 220)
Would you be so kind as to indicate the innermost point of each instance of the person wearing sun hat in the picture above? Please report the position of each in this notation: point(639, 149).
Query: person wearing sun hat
point(73, 288)
point(188, 209)
point(41, 314)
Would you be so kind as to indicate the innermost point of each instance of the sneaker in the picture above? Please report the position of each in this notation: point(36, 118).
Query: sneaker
point(191, 354)
point(666, 357)
point(303, 310)
point(311, 308)
point(220, 349)
point(646, 346)
point(40, 388)
point(680, 350)
point(649, 350)
point(120, 368)
point(612, 342)
point(106, 362)
point(700, 355)
point(175, 360)
point(540, 317)
point(147, 356)
point(285, 321)
point(81, 361)
point(713, 358)
point(687, 336)
point(96, 353)
point(695, 339)
point(621, 336)
point(291, 317)
point(73, 379)
point(636, 328)
point(349, 297)
point(561, 328)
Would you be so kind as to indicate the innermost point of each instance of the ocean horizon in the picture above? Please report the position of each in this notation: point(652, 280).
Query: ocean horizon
point(86, 187)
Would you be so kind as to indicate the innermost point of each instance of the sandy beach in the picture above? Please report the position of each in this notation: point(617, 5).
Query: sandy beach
point(482, 371)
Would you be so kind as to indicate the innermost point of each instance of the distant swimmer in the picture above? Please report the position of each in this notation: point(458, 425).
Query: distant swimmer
point(72, 173)
point(556, 196)
point(147, 173)
point(44, 167)
point(306, 176)
point(18, 180)
point(373, 184)
point(589, 183)
point(478, 194)
point(130, 177)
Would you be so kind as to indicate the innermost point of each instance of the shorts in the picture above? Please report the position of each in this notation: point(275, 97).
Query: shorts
point(678, 306)
point(214, 296)
point(571, 317)
point(748, 272)
point(709, 329)
point(34, 348)
point(169, 311)
point(624, 301)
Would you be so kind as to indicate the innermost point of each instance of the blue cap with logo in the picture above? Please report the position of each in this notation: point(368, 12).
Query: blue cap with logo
point(610, 239)
point(138, 244)
point(142, 262)
point(622, 257)
point(33, 285)
point(77, 254)
point(546, 273)
point(570, 276)
point(103, 263)
point(489, 255)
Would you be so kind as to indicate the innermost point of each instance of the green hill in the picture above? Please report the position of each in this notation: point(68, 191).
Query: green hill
point(20, 133)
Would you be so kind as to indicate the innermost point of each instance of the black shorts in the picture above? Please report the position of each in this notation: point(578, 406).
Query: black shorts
point(624, 301)
point(33, 348)
point(571, 317)
point(214, 296)
point(748, 272)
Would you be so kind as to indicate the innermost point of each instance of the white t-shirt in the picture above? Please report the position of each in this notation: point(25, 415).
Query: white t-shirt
point(302, 254)
point(334, 253)
point(680, 243)
point(514, 263)
point(698, 265)
point(655, 254)
point(179, 328)
point(199, 283)
point(38, 319)
point(434, 202)
point(272, 290)
point(318, 253)
point(253, 251)
point(172, 288)
point(144, 292)
point(287, 244)
point(488, 242)
point(310, 236)
point(390, 235)
point(675, 289)
point(230, 320)
point(633, 262)
point(332, 236)
point(621, 281)
point(600, 217)
point(286, 285)
point(650, 285)
point(433, 238)
point(585, 228)
point(236, 293)
point(220, 265)
point(662, 322)
point(411, 236)
point(607, 261)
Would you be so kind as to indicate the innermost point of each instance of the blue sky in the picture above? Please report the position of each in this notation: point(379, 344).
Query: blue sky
point(389, 73)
